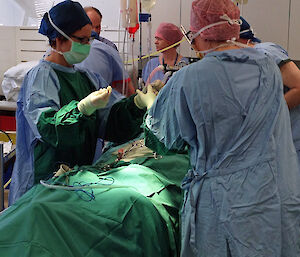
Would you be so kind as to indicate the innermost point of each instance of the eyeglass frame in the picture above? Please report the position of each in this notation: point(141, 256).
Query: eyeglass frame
point(189, 35)
point(83, 40)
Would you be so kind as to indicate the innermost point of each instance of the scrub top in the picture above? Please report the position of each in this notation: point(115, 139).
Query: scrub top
point(242, 193)
point(106, 61)
point(108, 42)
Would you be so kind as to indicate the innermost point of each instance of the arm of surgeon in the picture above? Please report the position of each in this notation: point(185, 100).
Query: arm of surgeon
point(291, 78)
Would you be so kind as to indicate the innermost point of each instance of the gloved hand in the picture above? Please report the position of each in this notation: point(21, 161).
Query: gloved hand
point(143, 100)
point(94, 101)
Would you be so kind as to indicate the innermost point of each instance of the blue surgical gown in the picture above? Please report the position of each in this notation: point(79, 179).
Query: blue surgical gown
point(108, 42)
point(242, 195)
point(280, 56)
point(106, 61)
point(42, 81)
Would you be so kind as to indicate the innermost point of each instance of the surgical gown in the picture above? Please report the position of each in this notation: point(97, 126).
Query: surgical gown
point(242, 195)
point(106, 61)
point(51, 130)
point(281, 57)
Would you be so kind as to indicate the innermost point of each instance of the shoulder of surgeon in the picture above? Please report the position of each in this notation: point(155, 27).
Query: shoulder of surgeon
point(212, 66)
point(271, 46)
point(44, 73)
point(151, 65)
point(101, 51)
point(278, 53)
point(45, 69)
point(154, 60)
point(41, 74)
point(100, 47)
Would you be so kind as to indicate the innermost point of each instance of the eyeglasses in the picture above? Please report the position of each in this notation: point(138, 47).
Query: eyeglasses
point(83, 40)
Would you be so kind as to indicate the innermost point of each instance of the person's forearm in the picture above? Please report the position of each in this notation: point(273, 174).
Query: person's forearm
point(292, 98)
point(291, 79)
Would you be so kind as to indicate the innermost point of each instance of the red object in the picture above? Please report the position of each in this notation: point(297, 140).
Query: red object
point(7, 123)
point(120, 153)
point(132, 30)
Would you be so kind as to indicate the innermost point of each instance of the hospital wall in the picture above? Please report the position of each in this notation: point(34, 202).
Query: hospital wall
point(275, 21)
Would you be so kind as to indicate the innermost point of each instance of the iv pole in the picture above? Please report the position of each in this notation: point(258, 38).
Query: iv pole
point(140, 57)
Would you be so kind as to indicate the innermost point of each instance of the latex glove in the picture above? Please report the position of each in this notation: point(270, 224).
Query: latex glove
point(143, 100)
point(94, 101)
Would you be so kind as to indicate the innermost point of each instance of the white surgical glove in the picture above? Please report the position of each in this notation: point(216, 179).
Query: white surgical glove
point(142, 100)
point(94, 101)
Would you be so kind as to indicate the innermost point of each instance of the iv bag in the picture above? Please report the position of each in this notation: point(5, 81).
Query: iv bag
point(129, 13)
point(148, 4)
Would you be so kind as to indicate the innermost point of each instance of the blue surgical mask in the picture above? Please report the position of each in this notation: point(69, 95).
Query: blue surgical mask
point(78, 51)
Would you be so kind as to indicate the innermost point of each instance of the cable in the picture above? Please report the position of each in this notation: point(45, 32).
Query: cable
point(6, 135)
point(74, 188)
point(157, 52)
point(7, 183)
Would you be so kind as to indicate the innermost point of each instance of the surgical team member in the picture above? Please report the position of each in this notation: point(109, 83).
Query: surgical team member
point(166, 35)
point(57, 117)
point(96, 18)
point(105, 59)
point(242, 195)
point(289, 70)
point(290, 76)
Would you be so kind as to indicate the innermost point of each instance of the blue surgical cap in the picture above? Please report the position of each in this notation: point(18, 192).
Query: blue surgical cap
point(246, 31)
point(95, 35)
point(68, 16)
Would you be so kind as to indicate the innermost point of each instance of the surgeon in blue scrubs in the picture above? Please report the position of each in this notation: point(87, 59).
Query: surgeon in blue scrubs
point(63, 110)
point(242, 193)
point(106, 61)
point(166, 35)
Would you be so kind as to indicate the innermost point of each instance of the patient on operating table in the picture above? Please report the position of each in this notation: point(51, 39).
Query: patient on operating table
point(127, 204)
